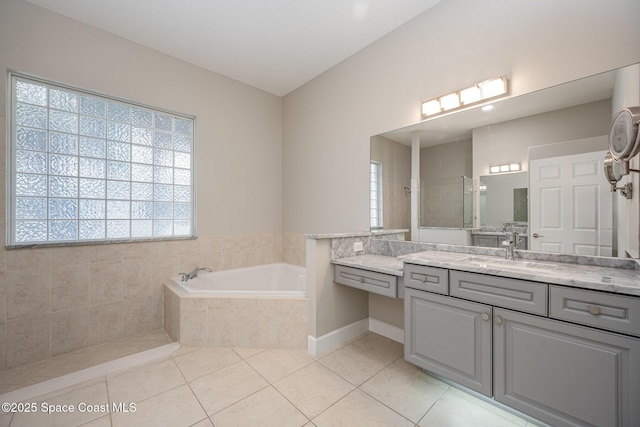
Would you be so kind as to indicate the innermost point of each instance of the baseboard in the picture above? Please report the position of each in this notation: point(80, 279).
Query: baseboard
point(338, 337)
point(386, 330)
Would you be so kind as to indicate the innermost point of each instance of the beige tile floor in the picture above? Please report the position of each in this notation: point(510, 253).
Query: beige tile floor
point(364, 383)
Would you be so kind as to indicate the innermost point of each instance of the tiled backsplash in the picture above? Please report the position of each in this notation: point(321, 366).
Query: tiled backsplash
point(60, 299)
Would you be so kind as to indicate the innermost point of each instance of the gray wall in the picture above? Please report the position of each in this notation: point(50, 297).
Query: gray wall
point(328, 122)
point(238, 128)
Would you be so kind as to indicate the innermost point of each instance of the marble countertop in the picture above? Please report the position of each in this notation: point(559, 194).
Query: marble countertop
point(610, 279)
point(356, 234)
point(378, 263)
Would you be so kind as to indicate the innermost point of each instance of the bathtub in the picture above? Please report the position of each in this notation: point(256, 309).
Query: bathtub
point(270, 280)
point(254, 307)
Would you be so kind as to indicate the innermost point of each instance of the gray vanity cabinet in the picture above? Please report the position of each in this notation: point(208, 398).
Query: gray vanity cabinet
point(449, 337)
point(563, 374)
point(371, 281)
point(573, 362)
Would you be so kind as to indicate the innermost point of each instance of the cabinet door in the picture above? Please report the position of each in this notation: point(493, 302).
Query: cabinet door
point(449, 337)
point(563, 374)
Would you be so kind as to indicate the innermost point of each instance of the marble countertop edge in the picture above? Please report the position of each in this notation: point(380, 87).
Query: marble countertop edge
point(609, 279)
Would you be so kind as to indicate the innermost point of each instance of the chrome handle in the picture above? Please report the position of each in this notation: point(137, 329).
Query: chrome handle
point(484, 316)
point(498, 320)
point(536, 235)
point(594, 310)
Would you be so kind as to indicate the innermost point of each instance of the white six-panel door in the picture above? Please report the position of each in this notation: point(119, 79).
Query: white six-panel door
point(570, 205)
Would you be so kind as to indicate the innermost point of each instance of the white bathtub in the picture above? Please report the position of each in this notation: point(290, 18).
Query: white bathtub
point(255, 307)
point(269, 280)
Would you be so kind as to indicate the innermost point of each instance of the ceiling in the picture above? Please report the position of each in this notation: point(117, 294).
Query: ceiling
point(274, 45)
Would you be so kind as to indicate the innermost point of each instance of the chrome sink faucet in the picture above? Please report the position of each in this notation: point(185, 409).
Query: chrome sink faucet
point(511, 242)
point(194, 273)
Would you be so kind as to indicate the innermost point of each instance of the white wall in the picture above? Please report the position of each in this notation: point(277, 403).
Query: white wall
point(509, 142)
point(328, 122)
point(238, 128)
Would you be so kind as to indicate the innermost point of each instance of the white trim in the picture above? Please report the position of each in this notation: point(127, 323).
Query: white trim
point(386, 330)
point(339, 336)
point(87, 374)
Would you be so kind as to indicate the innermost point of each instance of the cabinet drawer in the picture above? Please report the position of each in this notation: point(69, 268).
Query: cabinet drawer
point(379, 283)
point(607, 311)
point(426, 278)
point(521, 295)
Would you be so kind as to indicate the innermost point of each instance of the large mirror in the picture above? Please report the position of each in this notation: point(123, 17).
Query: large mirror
point(450, 194)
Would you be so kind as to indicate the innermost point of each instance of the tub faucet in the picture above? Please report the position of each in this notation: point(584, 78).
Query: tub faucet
point(193, 274)
point(511, 242)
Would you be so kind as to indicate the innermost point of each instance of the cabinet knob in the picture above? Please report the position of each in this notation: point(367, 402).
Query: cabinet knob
point(361, 280)
point(594, 310)
point(498, 320)
point(485, 316)
point(423, 279)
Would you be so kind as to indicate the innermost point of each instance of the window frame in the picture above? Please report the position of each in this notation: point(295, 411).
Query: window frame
point(12, 171)
point(378, 208)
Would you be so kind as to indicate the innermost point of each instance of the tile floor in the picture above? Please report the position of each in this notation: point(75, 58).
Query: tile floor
point(364, 383)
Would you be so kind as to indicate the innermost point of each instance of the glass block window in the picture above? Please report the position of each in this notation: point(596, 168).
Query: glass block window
point(85, 167)
point(376, 195)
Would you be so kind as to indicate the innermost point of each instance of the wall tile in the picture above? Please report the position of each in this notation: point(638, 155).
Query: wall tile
point(120, 288)
point(70, 286)
point(70, 330)
point(136, 316)
point(21, 259)
point(139, 250)
point(188, 261)
point(28, 340)
point(70, 255)
point(157, 308)
point(137, 276)
point(3, 345)
point(171, 314)
point(28, 293)
point(165, 249)
point(103, 253)
point(106, 323)
point(106, 282)
point(221, 330)
point(163, 268)
point(248, 326)
point(3, 299)
point(193, 327)
point(189, 247)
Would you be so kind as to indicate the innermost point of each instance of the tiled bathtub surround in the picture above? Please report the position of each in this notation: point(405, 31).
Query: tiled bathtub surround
point(60, 299)
point(235, 322)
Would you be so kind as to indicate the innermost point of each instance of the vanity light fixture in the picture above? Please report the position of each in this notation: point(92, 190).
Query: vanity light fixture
point(507, 167)
point(464, 97)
